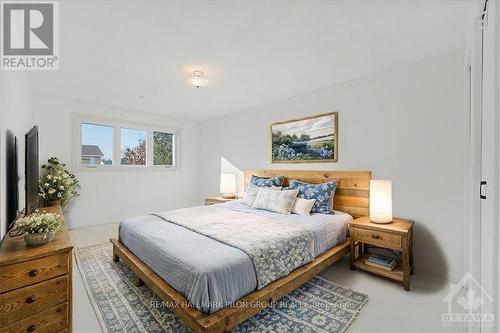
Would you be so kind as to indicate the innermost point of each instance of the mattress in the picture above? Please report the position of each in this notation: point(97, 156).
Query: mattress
point(211, 274)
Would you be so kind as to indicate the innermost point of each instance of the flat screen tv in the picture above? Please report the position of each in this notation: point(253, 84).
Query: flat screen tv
point(32, 170)
point(12, 178)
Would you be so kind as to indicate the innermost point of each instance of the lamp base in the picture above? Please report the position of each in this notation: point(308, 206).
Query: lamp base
point(229, 196)
point(381, 222)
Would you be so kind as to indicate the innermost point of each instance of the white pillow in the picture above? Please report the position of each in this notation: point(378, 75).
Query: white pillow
point(275, 201)
point(303, 206)
point(251, 193)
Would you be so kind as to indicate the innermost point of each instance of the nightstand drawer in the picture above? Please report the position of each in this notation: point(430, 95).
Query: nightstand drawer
point(24, 302)
point(378, 238)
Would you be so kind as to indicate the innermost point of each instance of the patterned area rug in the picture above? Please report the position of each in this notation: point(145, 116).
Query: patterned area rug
point(317, 306)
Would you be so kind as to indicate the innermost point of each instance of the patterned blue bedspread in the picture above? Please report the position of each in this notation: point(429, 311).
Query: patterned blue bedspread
point(211, 274)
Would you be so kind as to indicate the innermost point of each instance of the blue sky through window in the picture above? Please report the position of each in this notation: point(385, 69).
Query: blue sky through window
point(99, 135)
point(130, 137)
point(102, 136)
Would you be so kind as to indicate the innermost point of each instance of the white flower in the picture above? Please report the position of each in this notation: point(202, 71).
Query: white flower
point(38, 223)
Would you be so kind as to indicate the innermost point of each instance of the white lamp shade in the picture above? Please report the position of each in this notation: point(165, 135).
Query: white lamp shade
point(381, 201)
point(227, 183)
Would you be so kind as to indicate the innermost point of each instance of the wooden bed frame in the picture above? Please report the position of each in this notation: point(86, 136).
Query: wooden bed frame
point(351, 196)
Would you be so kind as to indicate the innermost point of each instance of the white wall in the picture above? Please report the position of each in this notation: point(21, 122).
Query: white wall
point(406, 124)
point(15, 116)
point(113, 196)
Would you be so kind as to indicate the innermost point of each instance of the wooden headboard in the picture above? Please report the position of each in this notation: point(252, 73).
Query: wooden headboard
point(353, 189)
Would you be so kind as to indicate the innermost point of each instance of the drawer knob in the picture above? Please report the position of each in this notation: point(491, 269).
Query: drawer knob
point(375, 236)
point(30, 299)
point(32, 328)
point(33, 272)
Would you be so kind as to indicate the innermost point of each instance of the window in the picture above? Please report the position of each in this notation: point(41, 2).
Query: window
point(163, 148)
point(97, 144)
point(102, 144)
point(133, 146)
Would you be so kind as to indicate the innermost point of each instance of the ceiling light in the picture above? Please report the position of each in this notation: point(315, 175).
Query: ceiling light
point(198, 80)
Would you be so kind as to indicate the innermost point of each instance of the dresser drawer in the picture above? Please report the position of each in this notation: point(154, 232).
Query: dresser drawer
point(48, 321)
point(24, 302)
point(378, 238)
point(33, 271)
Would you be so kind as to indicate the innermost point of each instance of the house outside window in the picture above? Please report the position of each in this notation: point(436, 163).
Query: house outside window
point(110, 144)
point(92, 154)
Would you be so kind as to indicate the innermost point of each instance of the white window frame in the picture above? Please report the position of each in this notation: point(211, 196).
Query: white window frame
point(117, 125)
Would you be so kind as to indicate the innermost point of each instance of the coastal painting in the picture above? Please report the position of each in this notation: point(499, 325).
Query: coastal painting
point(311, 139)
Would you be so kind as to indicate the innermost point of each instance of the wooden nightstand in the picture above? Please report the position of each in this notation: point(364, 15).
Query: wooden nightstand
point(217, 200)
point(397, 236)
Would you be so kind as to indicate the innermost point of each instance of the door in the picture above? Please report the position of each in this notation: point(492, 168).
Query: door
point(489, 159)
point(482, 175)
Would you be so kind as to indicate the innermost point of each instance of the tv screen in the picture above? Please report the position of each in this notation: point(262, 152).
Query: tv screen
point(32, 171)
point(12, 180)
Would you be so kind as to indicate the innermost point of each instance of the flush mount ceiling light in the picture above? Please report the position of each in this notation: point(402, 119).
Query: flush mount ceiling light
point(198, 80)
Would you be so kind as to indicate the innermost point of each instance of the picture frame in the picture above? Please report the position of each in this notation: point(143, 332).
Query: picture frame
point(311, 139)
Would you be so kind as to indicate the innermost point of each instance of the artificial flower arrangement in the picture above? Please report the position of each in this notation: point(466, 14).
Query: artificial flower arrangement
point(57, 185)
point(38, 228)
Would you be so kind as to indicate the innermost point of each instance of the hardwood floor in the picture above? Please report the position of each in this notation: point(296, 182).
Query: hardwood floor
point(417, 311)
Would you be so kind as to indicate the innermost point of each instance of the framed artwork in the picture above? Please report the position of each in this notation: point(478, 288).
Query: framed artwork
point(311, 139)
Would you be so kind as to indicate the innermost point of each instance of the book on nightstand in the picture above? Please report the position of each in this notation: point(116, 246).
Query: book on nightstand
point(381, 261)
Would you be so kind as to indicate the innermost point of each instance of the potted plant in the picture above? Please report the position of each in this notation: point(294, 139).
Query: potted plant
point(57, 185)
point(38, 228)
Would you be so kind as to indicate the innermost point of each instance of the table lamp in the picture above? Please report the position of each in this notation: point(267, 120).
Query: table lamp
point(228, 185)
point(380, 201)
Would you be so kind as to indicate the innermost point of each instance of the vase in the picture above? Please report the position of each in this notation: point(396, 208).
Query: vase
point(38, 238)
point(51, 203)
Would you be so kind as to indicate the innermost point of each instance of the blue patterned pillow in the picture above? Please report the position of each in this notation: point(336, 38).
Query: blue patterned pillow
point(323, 193)
point(266, 181)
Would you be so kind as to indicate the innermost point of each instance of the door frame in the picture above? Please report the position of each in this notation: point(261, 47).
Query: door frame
point(482, 234)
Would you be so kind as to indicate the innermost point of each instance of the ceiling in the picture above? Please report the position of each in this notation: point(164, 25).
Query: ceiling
point(253, 52)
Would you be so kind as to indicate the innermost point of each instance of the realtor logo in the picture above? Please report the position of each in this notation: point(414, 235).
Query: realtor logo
point(464, 306)
point(30, 35)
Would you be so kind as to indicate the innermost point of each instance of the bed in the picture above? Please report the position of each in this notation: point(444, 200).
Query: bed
point(213, 286)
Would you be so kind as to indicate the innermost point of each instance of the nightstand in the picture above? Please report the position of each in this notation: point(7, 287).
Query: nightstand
point(397, 236)
point(217, 200)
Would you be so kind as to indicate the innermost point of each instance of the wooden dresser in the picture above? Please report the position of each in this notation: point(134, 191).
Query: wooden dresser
point(36, 284)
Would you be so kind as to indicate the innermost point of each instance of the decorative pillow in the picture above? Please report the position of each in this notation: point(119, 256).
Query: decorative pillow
point(303, 206)
point(323, 193)
point(251, 193)
point(266, 181)
point(275, 201)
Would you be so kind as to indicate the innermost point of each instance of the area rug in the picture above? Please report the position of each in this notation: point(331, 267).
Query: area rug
point(317, 306)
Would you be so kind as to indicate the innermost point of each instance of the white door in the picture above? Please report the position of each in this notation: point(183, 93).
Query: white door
point(482, 211)
point(489, 158)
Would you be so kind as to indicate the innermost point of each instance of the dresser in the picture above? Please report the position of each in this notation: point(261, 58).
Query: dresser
point(36, 284)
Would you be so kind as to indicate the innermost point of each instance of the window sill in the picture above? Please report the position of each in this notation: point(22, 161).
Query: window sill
point(125, 168)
